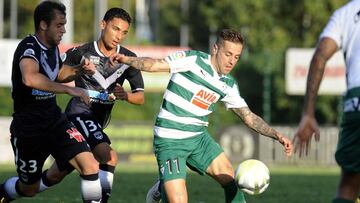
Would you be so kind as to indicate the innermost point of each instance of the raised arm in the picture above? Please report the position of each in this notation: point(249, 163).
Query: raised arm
point(142, 63)
point(259, 125)
point(308, 125)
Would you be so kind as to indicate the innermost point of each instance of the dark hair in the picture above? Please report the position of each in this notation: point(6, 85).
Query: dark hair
point(45, 11)
point(230, 35)
point(117, 13)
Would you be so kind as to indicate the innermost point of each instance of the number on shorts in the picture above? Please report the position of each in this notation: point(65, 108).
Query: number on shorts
point(32, 166)
point(170, 166)
point(87, 125)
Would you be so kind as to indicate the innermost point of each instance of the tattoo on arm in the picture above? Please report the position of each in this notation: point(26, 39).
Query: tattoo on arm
point(145, 63)
point(255, 122)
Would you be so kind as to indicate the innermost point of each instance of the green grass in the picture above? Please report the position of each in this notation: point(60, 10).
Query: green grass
point(287, 185)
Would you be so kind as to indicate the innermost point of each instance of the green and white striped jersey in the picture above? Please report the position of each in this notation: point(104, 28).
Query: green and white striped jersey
point(191, 94)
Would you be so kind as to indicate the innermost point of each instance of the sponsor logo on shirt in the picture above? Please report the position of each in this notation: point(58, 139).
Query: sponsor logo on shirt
point(29, 52)
point(95, 60)
point(177, 55)
point(75, 134)
point(42, 95)
point(204, 99)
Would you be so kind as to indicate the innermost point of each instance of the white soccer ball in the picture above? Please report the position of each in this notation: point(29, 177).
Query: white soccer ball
point(252, 176)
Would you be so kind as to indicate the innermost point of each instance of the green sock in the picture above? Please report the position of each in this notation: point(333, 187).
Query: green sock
point(338, 200)
point(233, 194)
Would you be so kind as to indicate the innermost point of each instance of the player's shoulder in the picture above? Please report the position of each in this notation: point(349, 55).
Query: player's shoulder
point(350, 8)
point(126, 51)
point(196, 53)
point(29, 42)
point(229, 80)
point(187, 54)
point(82, 48)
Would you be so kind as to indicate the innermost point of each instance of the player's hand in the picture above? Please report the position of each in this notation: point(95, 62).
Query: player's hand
point(120, 92)
point(116, 58)
point(80, 92)
point(286, 142)
point(308, 127)
point(87, 67)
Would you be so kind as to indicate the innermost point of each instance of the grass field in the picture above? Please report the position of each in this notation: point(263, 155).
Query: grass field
point(287, 185)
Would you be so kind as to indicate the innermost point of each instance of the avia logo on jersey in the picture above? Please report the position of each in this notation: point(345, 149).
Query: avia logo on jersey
point(204, 99)
point(75, 134)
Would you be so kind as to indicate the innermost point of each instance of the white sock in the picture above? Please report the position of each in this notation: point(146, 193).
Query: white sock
point(10, 187)
point(43, 186)
point(90, 188)
point(106, 180)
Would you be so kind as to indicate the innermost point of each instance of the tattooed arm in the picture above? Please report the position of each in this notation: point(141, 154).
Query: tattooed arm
point(256, 123)
point(142, 63)
point(259, 125)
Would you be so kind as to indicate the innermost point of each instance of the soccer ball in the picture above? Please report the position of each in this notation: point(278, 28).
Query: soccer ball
point(252, 176)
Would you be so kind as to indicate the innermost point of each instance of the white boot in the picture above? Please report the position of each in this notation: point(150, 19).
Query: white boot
point(154, 194)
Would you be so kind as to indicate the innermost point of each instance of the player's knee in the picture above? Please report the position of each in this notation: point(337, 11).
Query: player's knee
point(113, 159)
point(91, 167)
point(55, 178)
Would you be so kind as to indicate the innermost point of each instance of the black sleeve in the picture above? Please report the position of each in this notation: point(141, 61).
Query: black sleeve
point(72, 57)
point(135, 79)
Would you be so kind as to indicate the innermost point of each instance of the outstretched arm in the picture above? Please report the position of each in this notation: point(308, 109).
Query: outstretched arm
point(142, 63)
point(308, 125)
point(259, 125)
point(69, 73)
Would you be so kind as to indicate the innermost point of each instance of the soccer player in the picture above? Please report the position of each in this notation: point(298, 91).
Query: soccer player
point(198, 81)
point(104, 87)
point(341, 32)
point(39, 128)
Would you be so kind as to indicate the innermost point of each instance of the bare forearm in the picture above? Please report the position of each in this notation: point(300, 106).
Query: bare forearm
point(315, 75)
point(147, 64)
point(136, 98)
point(68, 74)
point(40, 82)
point(256, 123)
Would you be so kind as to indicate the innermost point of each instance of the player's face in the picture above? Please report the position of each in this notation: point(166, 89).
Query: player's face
point(56, 29)
point(114, 32)
point(226, 55)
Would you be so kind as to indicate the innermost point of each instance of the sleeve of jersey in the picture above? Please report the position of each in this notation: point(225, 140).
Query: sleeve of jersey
point(29, 52)
point(334, 28)
point(72, 57)
point(233, 98)
point(179, 61)
point(135, 80)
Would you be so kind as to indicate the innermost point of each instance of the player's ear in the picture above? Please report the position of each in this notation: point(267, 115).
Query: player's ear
point(215, 48)
point(102, 24)
point(43, 25)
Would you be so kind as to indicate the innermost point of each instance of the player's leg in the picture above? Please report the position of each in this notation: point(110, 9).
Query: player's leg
point(171, 155)
point(348, 188)
point(221, 170)
point(108, 160)
point(347, 156)
point(209, 158)
point(30, 155)
point(54, 175)
point(99, 143)
point(71, 147)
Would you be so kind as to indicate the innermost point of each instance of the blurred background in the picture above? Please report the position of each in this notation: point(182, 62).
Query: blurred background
point(280, 36)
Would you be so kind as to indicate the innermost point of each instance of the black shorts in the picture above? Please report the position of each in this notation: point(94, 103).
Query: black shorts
point(63, 141)
point(92, 131)
point(88, 125)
